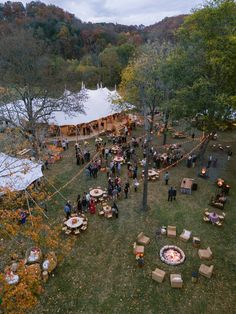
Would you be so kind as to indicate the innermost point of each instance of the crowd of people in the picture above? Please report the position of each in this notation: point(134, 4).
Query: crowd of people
point(131, 167)
point(86, 204)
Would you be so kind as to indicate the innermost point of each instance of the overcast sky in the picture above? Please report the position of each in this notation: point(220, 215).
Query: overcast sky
point(125, 11)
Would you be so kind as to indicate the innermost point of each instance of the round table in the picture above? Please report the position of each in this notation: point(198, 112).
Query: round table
point(213, 218)
point(152, 173)
point(115, 149)
point(96, 193)
point(78, 221)
point(164, 156)
point(118, 159)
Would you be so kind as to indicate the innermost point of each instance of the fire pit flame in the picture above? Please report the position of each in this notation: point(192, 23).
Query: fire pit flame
point(172, 255)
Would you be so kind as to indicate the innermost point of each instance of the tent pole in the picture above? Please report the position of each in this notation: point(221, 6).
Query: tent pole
point(56, 189)
point(76, 134)
point(60, 133)
point(28, 207)
point(36, 204)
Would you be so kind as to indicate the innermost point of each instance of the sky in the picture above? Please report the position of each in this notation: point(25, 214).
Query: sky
point(128, 12)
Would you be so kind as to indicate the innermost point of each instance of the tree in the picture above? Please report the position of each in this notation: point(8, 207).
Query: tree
point(202, 68)
point(125, 52)
point(110, 66)
point(36, 231)
point(32, 86)
point(142, 86)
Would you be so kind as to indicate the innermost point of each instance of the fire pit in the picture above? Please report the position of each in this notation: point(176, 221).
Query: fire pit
point(172, 255)
point(203, 173)
point(220, 182)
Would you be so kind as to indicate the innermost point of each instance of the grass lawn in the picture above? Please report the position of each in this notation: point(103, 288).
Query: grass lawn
point(100, 275)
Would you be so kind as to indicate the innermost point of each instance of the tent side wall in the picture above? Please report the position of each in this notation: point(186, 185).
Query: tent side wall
point(102, 124)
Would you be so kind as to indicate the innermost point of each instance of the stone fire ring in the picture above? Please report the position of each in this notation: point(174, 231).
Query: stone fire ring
point(172, 247)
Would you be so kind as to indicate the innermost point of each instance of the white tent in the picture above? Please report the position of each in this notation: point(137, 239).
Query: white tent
point(98, 104)
point(17, 174)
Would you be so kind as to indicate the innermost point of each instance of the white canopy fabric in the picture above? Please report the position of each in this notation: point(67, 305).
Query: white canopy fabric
point(17, 174)
point(98, 104)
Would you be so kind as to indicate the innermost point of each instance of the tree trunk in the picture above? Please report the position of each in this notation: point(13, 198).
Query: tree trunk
point(145, 179)
point(203, 148)
point(149, 129)
point(165, 128)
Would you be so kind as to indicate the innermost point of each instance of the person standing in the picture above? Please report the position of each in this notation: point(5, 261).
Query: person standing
point(229, 155)
point(115, 209)
point(22, 217)
point(88, 198)
point(214, 163)
point(67, 143)
point(63, 145)
point(209, 161)
point(166, 177)
point(136, 184)
point(189, 161)
point(79, 204)
point(106, 153)
point(46, 164)
point(119, 168)
point(92, 207)
point(170, 194)
point(84, 203)
point(174, 193)
point(194, 159)
point(67, 210)
point(78, 159)
point(126, 189)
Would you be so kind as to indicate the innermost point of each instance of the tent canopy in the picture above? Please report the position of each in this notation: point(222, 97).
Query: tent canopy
point(17, 174)
point(98, 104)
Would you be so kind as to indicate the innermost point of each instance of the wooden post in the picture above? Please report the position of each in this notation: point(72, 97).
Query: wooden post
point(76, 134)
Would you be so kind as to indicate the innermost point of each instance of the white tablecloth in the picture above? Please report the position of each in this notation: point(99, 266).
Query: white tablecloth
point(71, 225)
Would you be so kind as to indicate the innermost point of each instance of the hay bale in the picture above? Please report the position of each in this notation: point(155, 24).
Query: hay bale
point(34, 255)
point(50, 262)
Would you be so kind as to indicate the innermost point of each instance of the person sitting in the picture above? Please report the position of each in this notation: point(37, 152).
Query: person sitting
point(140, 260)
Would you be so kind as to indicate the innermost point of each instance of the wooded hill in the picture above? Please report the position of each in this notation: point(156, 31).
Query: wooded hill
point(91, 52)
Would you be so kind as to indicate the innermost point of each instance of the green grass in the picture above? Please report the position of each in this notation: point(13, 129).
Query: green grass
point(100, 275)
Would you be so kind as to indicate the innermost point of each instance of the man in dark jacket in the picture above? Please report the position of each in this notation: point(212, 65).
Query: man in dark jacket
point(170, 194)
point(174, 193)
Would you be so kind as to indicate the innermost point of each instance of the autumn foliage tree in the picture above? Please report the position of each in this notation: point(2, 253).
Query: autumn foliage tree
point(37, 231)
